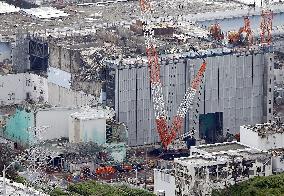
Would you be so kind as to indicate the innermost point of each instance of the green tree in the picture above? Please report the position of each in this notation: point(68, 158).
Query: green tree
point(94, 188)
point(258, 186)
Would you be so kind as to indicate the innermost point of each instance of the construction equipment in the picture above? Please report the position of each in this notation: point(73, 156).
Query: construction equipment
point(216, 32)
point(166, 133)
point(105, 170)
point(243, 37)
point(266, 27)
point(233, 37)
point(245, 33)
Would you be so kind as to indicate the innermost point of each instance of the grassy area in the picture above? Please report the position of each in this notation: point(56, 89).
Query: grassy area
point(94, 188)
point(258, 186)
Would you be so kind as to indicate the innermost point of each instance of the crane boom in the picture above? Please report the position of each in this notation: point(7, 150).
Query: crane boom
point(167, 134)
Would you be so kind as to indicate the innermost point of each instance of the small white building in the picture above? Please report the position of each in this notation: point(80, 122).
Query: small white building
point(17, 88)
point(277, 160)
point(268, 136)
point(213, 166)
point(89, 125)
point(263, 136)
point(24, 125)
point(164, 182)
point(56, 120)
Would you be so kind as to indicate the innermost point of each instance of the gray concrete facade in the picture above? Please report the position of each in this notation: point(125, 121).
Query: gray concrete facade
point(235, 84)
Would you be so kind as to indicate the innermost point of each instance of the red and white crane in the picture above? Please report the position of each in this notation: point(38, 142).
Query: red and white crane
point(166, 133)
point(266, 27)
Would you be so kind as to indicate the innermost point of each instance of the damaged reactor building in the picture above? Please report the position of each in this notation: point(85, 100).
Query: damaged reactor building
point(105, 57)
point(237, 89)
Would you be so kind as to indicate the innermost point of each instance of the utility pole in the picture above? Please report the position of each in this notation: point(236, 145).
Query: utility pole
point(4, 181)
point(4, 177)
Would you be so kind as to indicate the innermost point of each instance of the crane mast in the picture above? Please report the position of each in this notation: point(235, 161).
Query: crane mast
point(166, 133)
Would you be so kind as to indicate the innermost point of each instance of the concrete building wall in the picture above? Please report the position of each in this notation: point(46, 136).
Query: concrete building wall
point(250, 138)
point(63, 58)
point(18, 125)
point(279, 76)
point(268, 87)
point(266, 137)
point(164, 182)
point(265, 141)
point(60, 96)
point(6, 55)
point(20, 52)
point(17, 88)
point(278, 163)
point(59, 77)
point(56, 121)
point(68, 61)
point(235, 85)
point(85, 130)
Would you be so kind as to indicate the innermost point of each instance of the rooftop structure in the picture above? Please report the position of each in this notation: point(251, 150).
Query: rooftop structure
point(266, 128)
point(218, 147)
point(204, 171)
point(89, 125)
point(268, 136)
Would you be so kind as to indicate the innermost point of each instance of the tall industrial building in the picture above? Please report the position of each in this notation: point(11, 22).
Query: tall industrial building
point(237, 89)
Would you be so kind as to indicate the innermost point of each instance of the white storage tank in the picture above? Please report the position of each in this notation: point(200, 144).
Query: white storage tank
point(89, 125)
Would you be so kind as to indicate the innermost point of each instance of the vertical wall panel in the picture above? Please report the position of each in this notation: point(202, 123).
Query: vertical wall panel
point(227, 87)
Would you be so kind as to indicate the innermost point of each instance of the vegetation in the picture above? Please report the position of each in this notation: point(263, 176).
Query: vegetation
point(94, 188)
point(57, 191)
point(20, 179)
point(258, 186)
